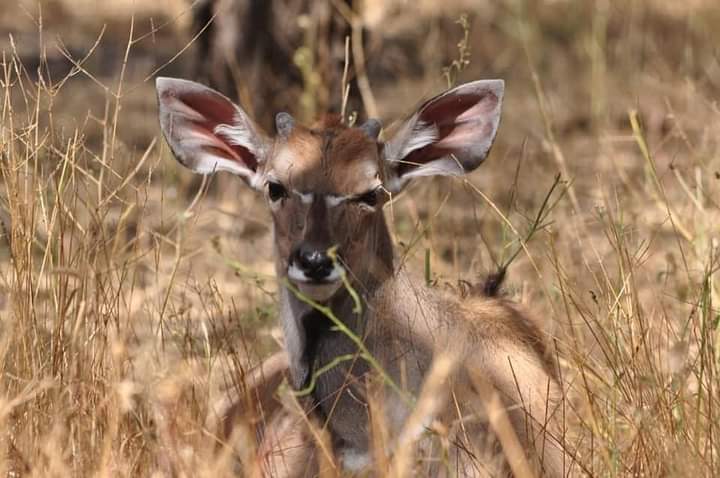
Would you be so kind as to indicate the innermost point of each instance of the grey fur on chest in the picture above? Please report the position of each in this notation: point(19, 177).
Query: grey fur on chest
point(330, 362)
point(340, 394)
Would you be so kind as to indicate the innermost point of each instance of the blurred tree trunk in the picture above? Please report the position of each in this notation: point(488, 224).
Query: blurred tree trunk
point(274, 55)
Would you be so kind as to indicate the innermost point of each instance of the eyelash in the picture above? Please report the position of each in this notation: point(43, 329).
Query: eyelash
point(276, 191)
point(369, 198)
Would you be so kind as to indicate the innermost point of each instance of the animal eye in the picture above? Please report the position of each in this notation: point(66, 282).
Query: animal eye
point(369, 198)
point(276, 191)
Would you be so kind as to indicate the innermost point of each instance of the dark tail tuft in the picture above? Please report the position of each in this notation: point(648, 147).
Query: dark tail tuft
point(493, 283)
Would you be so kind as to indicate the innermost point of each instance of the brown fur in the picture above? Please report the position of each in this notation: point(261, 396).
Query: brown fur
point(326, 186)
point(500, 349)
point(326, 161)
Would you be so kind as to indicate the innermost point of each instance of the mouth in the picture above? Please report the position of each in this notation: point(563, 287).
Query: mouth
point(317, 290)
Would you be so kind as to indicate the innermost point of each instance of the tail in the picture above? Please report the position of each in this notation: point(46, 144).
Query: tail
point(493, 283)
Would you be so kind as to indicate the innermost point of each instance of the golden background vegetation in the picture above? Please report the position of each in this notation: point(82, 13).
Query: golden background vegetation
point(132, 294)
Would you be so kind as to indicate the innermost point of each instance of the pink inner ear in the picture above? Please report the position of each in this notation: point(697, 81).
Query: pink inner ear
point(447, 112)
point(217, 111)
point(457, 119)
point(218, 146)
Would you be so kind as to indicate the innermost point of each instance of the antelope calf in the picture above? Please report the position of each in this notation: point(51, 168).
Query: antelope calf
point(326, 186)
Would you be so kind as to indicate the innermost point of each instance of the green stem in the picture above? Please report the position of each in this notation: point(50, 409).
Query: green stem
point(364, 352)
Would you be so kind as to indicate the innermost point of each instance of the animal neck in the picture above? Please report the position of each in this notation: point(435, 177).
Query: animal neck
point(376, 264)
point(307, 328)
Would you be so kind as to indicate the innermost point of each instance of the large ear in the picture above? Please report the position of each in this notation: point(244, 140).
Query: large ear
point(449, 135)
point(207, 132)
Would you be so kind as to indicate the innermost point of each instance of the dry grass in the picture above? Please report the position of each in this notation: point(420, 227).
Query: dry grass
point(130, 296)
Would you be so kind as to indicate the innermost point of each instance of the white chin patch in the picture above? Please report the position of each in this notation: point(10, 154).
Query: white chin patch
point(317, 291)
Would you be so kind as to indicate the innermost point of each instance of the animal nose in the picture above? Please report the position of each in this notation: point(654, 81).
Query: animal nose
point(315, 263)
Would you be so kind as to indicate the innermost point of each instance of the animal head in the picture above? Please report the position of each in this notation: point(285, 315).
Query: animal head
point(326, 184)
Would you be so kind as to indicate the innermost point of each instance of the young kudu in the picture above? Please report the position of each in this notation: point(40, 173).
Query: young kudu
point(326, 186)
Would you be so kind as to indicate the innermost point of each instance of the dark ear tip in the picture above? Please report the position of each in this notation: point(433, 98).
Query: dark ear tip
point(163, 85)
point(497, 87)
point(372, 127)
point(284, 123)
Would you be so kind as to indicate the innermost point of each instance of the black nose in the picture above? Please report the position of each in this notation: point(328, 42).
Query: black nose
point(315, 263)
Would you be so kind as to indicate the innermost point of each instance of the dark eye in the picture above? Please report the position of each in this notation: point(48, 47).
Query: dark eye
point(276, 191)
point(369, 198)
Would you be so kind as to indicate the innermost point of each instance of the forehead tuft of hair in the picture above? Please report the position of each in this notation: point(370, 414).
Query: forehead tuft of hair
point(339, 143)
point(329, 122)
point(352, 144)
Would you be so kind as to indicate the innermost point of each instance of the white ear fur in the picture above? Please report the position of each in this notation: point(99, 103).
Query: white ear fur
point(450, 135)
point(417, 134)
point(207, 132)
